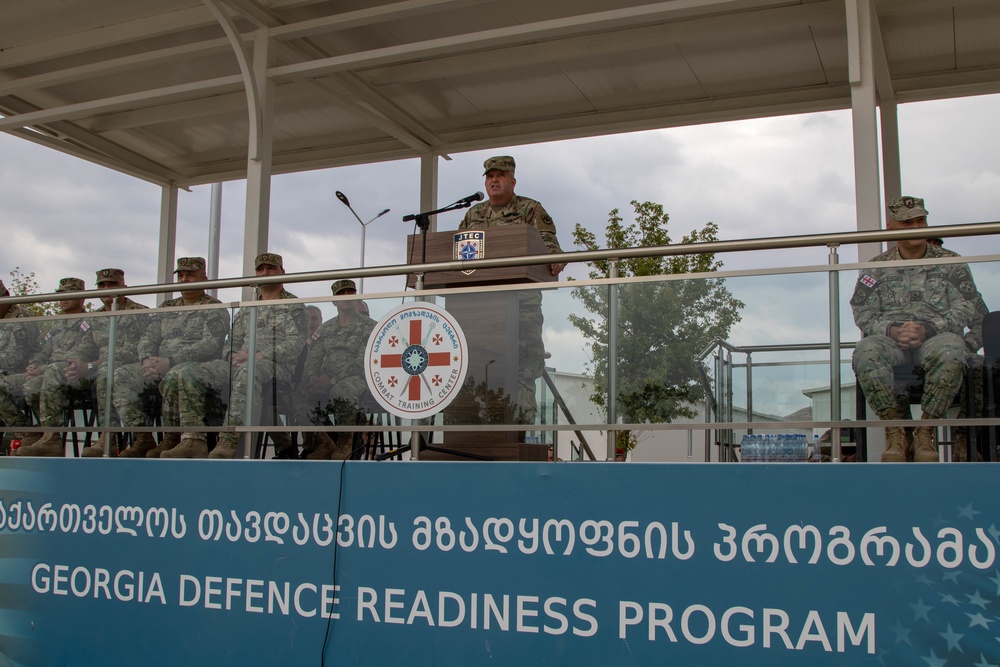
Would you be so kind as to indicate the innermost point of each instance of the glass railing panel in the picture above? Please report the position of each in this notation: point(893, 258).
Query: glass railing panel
point(762, 343)
point(60, 381)
point(169, 369)
point(951, 304)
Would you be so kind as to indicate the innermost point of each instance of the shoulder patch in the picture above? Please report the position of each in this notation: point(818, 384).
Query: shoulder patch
point(868, 281)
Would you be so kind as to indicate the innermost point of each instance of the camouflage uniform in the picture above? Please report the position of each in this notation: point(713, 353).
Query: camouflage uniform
point(128, 330)
point(280, 337)
point(48, 393)
point(18, 340)
point(531, 349)
point(943, 298)
point(339, 352)
point(190, 335)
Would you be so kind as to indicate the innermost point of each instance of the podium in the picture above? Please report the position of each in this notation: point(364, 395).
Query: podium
point(492, 325)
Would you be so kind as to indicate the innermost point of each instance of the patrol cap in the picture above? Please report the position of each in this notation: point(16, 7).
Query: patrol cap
point(3, 289)
point(110, 275)
point(71, 285)
point(268, 259)
point(907, 208)
point(501, 162)
point(342, 285)
point(190, 264)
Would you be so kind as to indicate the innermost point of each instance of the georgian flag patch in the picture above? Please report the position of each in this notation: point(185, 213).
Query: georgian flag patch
point(868, 281)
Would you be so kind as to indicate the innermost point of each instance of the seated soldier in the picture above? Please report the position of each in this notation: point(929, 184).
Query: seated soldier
point(914, 316)
point(18, 339)
point(128, 330)
point(280, 337)
point(333, 380)
point(45, 383)
point(169, 340)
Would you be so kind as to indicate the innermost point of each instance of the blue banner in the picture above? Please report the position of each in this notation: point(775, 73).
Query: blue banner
point(201, 562)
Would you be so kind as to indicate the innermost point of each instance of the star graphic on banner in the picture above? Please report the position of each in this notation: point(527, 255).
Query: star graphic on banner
point(983, 663)
point(920, 610)
point(948, 597)
point(977, 600)
point(950, 576)
point(902, 633)
point(939, 520)
point(925, 580)
point(968, 512)
point(881, 656)
point(933, 661)
point(952, 638)
point(994, 532)
point(996, 580)
point(978, 619)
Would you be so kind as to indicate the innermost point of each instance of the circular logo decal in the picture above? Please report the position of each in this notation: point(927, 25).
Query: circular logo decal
point(416, 358)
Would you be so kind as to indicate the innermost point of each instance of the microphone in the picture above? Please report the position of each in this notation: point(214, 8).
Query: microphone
point(479, 196)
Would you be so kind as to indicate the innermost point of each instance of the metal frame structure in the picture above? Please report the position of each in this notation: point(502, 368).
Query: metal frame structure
point(186, 92)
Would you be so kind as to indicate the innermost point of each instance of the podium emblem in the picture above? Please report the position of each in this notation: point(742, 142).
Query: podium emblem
point(416, 360)
point(470, 246)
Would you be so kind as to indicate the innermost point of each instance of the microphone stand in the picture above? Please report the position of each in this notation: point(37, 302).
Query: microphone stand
point(423, 221)
point(416, 444)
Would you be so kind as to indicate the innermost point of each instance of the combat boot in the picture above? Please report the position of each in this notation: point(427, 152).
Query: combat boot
point(190, 447)
point(308, 444)
point(141, 446)
point(283, 447)
point(225, 448)
point(50, 444)
point(961, 452)
point(169, 441)
point(343, 447)
point(924, 450)
point(323, 446)
point(95, 450)
point(27, 440)
point(895, 438)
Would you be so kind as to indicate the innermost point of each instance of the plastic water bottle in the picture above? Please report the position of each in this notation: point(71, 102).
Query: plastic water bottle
point(817, 452)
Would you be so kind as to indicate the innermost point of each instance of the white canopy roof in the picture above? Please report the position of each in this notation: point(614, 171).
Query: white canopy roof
point(160, 88)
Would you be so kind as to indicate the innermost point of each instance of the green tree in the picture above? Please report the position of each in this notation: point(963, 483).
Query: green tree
point(24, 284)
point(662, 325)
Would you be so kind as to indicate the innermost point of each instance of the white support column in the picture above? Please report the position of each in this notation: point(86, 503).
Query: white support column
point(259, 165)
point(891, 171)
point(168, 238)
point(429, 185)
point(867, 171)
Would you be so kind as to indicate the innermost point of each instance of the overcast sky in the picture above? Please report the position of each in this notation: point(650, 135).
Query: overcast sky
point(788, 175)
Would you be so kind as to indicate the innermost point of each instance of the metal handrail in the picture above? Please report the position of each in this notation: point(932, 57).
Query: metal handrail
point(769, 243)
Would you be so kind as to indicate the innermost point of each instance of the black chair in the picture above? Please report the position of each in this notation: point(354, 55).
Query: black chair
point(82, 399)
point(912, 377)
point(278, 410)
point(991, 363)
point(379, 433)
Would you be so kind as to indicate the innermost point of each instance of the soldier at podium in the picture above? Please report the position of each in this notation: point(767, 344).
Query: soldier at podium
point(506, 208)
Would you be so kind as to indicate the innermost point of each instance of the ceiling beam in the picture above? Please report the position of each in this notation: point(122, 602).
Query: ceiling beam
point(631, 39)
point(369, 16)
point(348, 91)
point(141, 99)
point(114, 66)
point(98, 146)
point(515, 34)
point(111, 35)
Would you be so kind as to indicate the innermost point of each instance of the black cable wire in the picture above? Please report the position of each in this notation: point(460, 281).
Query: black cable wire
point(336, 538)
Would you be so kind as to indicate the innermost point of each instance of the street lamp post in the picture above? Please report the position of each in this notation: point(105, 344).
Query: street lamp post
point(364, 227)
